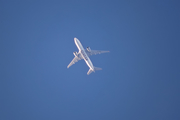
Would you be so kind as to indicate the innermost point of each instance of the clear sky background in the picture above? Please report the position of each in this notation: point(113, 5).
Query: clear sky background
point(140, 79)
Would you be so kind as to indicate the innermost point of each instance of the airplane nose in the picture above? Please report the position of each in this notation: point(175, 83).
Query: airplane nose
point(76, 40)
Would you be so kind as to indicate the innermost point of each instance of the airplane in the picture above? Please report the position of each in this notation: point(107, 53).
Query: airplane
point(84, 54)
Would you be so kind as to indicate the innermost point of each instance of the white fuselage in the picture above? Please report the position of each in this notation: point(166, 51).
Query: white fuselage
point(83, 54)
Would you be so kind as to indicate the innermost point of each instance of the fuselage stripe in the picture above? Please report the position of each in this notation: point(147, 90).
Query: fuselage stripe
point(84, 55)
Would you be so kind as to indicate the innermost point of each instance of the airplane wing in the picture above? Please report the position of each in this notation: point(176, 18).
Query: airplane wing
point(94, 52)
point(76, 59)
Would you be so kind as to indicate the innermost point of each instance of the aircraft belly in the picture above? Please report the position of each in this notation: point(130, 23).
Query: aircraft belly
point(86, 59)
point(89, 63)
point(83, 53)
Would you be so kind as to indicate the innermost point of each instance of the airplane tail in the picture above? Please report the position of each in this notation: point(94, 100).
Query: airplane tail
point(95, 68)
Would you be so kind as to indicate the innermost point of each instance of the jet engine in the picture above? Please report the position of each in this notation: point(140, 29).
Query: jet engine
point(75, 54)
point(88, 49)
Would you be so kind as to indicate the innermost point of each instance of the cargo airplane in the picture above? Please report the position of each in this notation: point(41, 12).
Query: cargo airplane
point(84, 54)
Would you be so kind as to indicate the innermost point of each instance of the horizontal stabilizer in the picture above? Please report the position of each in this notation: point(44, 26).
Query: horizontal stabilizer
point(96, 68)
point(89, 72)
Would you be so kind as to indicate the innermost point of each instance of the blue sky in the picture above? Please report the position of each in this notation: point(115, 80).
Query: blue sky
point(140, 76)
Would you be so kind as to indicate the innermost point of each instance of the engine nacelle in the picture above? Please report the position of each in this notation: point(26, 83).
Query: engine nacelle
point(88, 49)
point(75, 54)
